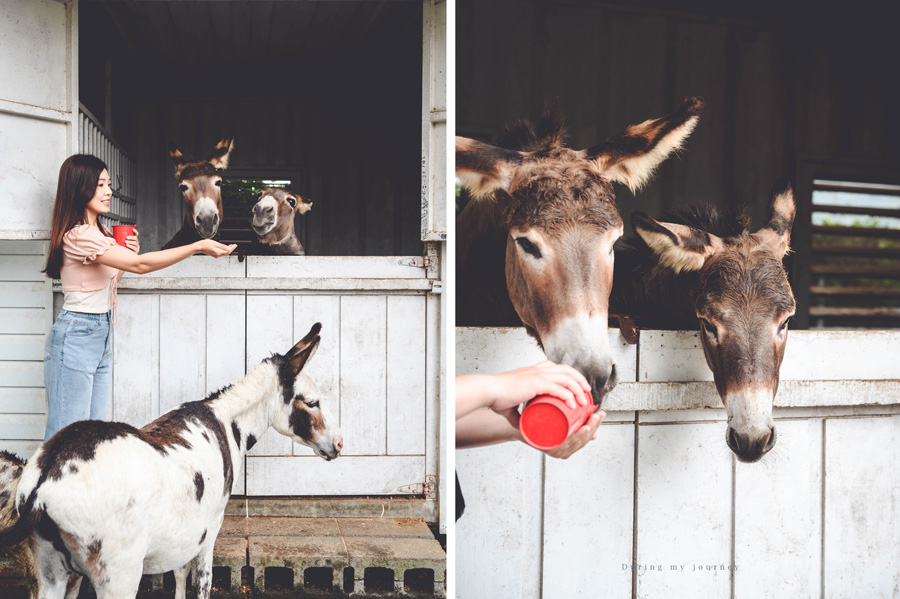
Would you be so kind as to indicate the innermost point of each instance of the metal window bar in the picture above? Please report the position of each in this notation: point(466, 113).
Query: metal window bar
point(96, 140)
point(855, 255)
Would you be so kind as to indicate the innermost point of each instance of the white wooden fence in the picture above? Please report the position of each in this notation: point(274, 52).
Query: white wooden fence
point(657, 507)
point(204, 323)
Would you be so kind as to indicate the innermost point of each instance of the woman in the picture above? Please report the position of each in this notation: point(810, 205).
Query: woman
point(83, 254)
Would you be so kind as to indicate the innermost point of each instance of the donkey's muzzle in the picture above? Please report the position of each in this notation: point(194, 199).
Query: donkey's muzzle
point(751, 447)
point(207, 225)
point(602, 385)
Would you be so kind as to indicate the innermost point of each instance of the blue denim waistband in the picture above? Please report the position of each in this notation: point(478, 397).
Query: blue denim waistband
point(103, 316)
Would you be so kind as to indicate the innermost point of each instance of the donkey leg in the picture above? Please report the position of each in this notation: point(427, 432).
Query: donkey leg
point(204, 572)
point(49, 568)
point(124, 584)
point(181, 575)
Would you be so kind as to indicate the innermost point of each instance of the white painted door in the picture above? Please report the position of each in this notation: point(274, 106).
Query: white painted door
point(38, 130)
point(183, 336)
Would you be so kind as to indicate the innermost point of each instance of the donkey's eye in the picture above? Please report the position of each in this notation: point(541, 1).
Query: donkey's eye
point(528, 247)
point(709, 329)
point(784, 325)
point(313, 404)
point(183, 188)
point(291, 201)
point(218, 183)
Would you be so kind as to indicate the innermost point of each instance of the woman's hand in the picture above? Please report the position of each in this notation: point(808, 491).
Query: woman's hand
point(213, 248)
point(579, 438)
point(132, 243)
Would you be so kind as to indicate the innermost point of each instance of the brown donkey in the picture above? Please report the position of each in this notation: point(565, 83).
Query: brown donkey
point(551, 211)
point(200, 182)
point(704, 269)
point(273, 219)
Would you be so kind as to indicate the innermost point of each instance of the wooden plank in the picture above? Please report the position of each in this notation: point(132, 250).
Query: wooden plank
point(857, 272)
point(698, 395)
point(406, 357)
point(34, 247)
point(862, 531)
point(182, 350)
point(881, 292)
point(325, 367)
point(856, 231)
point(22, 321)
point(347, 475)
point(351, 267)
point(22, 400)
point(677, 356)
point(22, 267)
point(572, 542)
point(501, 527)
point(778, 516)
point(273, 284)
point(136, 360)
point(225, 340)
point(363, 374)
point(498, 349)
point(22, 294)
point(23, 449)
point(880, 312)
point(22, 347)
point(855, 251)
point(17, 373)
point(269, 330)
point(197, 266)
point(684, 512)
point(22, 427)
point(864, 210)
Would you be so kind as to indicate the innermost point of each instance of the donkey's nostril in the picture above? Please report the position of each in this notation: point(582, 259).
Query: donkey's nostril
point(339, 443)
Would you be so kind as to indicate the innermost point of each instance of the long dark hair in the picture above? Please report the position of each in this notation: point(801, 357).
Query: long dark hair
point(78, 177)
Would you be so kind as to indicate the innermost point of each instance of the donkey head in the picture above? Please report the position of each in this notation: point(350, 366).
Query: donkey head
point(744, 302)
point(302, 415)
point(560, 215)
point(200, 182)
point(273, 213)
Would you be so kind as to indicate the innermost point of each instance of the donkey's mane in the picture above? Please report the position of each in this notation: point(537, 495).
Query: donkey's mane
point(548, 133)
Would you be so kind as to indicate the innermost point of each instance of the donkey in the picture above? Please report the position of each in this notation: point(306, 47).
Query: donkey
point(200, 182)
point(273, 219)
point(551, 212)
point(108, 501)
point(707, 270)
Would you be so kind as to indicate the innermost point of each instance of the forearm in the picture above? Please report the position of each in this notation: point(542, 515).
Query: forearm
point(473, 391)
point(126, 260)
point(484, 427)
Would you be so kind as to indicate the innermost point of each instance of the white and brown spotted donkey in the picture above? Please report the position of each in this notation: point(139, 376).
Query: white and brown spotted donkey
point(112, 502)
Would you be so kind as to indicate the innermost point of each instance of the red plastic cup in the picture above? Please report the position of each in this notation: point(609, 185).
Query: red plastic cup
point(547, 421)
point(120, 232)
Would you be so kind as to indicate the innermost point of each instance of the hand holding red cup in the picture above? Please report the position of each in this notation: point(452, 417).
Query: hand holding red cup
point(122, 232)
point(547, 421)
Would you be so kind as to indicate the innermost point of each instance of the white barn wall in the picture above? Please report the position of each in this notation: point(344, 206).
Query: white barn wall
point(815, 518)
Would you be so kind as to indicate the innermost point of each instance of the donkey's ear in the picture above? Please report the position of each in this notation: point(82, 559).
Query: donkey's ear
point(777, 230)
point(301, 353)
point(219, 156)
point(177, 157)
point(304, 205)
point(678, 247)
point(483, 168)
point(632, 156)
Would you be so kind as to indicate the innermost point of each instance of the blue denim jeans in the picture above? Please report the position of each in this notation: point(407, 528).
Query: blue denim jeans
point(77, 369)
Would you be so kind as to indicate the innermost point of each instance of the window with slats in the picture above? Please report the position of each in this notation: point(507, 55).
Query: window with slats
point(855, 255)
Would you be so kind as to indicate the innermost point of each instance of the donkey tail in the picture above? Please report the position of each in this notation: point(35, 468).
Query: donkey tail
point(14, 527)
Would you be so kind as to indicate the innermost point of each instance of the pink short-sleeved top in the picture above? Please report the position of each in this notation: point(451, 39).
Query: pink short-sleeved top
point(87, 285)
